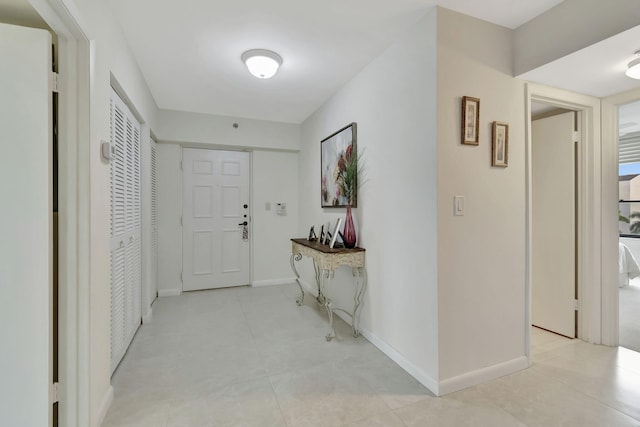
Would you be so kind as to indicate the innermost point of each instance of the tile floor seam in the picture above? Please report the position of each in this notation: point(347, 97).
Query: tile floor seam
point(585, 395)
point(317, 383)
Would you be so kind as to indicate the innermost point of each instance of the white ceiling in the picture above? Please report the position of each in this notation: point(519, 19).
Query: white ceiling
point(596, 70)
point(189, 51)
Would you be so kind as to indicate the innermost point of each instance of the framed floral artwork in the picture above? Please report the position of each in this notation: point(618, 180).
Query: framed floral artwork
point(339, 168)
point(500, 145)
point(470, 120)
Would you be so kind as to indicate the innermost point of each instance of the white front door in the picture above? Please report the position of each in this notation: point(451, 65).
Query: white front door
point(216, 220)
point(25, 227)
point(553, 274)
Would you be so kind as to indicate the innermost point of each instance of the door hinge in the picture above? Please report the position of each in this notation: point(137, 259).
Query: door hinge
point(576, 137)
point(54, 393)
point(55, 82)
point(181, 224)
point(576, 305)
point(181, 165)
point(181, 279)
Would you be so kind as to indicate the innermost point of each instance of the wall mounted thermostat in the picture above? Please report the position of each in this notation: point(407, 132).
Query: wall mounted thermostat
point(105, 150)
point(281, 208)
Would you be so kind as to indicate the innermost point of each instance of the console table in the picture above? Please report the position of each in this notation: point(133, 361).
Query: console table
point(325, 262)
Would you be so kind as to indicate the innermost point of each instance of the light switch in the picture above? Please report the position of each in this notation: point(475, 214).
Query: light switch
point(458, 205)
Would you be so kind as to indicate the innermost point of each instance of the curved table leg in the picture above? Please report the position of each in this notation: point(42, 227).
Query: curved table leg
point(325, 280)
point(297, 257)
point(361, 285)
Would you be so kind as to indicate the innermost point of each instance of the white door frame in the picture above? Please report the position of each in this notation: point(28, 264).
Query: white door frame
point(610, 307)
point(74, 51)
point(589, 255)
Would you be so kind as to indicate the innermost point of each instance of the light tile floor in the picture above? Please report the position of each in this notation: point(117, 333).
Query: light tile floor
point(251, 357)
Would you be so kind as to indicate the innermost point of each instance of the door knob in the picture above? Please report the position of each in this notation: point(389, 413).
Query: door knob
point(244, 223)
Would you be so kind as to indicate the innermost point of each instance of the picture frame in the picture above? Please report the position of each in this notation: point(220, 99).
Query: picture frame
point(336, 230)
point(312, 234)
point(500, 144)
point(327, 234)
point(339, 168)
point(470, 120)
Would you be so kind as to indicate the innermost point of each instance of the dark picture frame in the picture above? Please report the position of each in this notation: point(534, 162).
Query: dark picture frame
point(339, 168)
point(470, 120)
point(500, 144)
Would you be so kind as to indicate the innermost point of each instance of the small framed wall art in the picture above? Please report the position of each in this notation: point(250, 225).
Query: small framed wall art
point(500, 145)
point(470, 120)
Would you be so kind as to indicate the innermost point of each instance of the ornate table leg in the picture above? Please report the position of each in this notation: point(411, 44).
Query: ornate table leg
point(325, 279)
point(361, 285)
point(297, 257)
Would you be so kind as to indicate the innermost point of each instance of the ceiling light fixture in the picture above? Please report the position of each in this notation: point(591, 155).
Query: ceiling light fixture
point(633, 68)
point(262, 63)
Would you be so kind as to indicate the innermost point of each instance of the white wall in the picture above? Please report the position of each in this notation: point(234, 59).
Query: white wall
point(169, 212)
point(207, 129)
point(570, 26)
point(273, 176)
point(481, 255)
point(393, 101)
point(111, 61)
point(274, 179)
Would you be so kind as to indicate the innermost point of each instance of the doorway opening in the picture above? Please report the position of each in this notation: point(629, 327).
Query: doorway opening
point(588, 207)
point(555, 166)
point(629, 225)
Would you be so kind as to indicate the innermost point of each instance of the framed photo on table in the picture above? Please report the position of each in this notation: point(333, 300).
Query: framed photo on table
point(470, 120)
point(500, 145)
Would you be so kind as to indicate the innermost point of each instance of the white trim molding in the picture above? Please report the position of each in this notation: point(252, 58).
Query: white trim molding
point(479, 376)
point(105, 404)
point(590, 220)
point(384, 347)
point(169, 292)
point(401, 361)
point(610, 234)
point(273, 282)
point(74, 52)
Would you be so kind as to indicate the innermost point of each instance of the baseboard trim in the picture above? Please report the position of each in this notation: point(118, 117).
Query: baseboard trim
point(273, 282)
point(104, 406)
point(476, 377)
point(402, 361)
point(391, 353)
point(148, 316)
point(308, 287)
point(169, 292)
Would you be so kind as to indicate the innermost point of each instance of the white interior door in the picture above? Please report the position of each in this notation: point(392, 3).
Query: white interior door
point(25, 226)
point(216, 247)
point(553, 271)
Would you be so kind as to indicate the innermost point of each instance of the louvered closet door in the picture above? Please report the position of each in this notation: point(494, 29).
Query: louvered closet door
point(125, 229)
point(154, 218)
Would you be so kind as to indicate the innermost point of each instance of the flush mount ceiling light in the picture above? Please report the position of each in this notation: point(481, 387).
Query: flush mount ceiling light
point(633, 69)
point(262, 63)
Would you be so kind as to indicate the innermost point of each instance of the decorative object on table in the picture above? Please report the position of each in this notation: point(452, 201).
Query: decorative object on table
point(500, 145)
point(349, 233)
point(336, 230)
point(312, 234)
point(339, 168)
point(470, 120)
point(327, 236)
